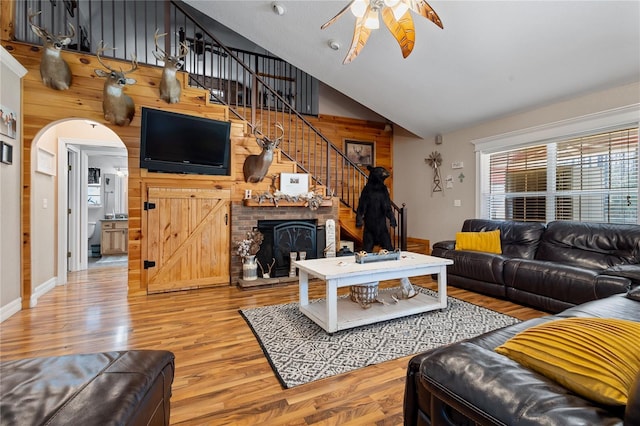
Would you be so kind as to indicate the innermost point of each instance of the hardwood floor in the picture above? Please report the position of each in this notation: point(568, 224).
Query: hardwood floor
point(222, 376)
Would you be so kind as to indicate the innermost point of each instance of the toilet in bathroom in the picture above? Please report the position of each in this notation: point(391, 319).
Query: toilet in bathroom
point(91, 228)
point(94, 250)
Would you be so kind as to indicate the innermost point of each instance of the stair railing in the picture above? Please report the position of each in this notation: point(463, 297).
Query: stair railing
point(249, 97)
point(252, 91)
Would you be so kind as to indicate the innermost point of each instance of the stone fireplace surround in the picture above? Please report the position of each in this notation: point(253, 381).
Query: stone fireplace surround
point(245, 218)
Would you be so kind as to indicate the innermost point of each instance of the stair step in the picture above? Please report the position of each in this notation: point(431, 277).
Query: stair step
point(418, 245)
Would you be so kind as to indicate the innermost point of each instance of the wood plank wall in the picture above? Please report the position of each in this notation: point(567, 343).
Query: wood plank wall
point(43, 106)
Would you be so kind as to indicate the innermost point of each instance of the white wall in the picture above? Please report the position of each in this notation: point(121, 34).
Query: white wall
point(44, 222)
point(11, 73)
point(433, 216)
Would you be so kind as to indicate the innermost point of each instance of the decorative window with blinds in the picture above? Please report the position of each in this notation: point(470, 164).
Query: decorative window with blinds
point(591, 179)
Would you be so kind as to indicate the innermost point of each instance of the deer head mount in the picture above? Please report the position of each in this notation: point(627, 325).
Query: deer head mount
point(54, 70)
point(118, 108)
point(256, 166)
point(170, 86)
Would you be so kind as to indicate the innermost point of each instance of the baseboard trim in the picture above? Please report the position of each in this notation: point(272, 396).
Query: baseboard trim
point(10, 309)
point(41, 290)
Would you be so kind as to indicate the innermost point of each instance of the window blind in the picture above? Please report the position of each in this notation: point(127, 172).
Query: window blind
point(592, 178)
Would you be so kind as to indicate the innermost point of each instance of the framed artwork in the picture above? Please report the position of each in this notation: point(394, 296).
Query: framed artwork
point(7, 153)
point(8, 122)
point(360, 152)
point(294, 183)
point(45, 162)
point(94, 176)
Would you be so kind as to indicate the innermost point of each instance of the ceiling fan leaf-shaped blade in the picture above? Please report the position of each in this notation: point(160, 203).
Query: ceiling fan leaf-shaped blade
point(338, 15)
point(360, 37)
point(421, 7)
point(403, 30)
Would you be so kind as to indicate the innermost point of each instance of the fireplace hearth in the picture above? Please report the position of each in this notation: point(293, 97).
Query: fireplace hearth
point(246, 217)
point(281, 237)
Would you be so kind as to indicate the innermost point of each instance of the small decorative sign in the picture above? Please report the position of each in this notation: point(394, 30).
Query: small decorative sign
point(294, 183)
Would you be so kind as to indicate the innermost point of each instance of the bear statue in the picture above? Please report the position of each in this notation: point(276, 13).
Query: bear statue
point(374, 208)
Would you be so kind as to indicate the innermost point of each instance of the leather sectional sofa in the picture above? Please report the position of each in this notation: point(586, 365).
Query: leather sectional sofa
point(469, 383)
point(550, 267)
point(110, 388)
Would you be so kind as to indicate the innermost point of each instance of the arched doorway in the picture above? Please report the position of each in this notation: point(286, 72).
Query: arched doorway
point(59, 213)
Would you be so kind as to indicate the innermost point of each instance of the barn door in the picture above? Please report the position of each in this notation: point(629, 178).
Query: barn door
point(187, 238)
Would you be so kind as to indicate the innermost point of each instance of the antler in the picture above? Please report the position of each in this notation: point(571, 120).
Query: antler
point(73, 31)
point(134, 64)
point(103, 48)
point(40, 32)
point(261, 137)
point(278, 139)
point(157, 36)
point(257, 132)
point(256, 129)
point(44, 34)
point(184, 50)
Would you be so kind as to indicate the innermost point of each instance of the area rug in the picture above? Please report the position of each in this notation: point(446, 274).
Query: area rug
point(300, 352)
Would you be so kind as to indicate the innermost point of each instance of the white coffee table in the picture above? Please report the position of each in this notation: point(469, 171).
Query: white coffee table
point(334, 313)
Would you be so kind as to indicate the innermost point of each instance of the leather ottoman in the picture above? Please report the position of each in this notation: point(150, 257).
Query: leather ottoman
point(111, 388)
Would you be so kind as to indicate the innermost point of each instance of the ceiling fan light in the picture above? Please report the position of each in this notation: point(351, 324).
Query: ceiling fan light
point(359, 7)
point(372, 22)
point(399, 10)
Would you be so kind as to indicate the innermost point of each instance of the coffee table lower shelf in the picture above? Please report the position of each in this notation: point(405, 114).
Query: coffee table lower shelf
point(351, 314)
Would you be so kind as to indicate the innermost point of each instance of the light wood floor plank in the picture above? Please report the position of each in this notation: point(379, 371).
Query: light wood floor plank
point(222, 376)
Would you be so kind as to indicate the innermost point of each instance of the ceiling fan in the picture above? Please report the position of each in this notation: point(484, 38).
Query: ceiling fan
point(396, 16)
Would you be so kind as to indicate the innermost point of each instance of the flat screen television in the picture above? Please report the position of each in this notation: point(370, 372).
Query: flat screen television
point(179, 143)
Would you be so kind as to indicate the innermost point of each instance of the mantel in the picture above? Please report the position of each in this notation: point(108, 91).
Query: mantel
point(327, 202)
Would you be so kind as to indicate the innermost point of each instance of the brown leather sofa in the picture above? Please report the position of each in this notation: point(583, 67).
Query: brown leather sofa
point(111, 388)
point(550, 267)
point(468, 383)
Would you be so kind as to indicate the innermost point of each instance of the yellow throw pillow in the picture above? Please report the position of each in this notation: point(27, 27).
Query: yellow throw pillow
point(597, 358)
point(488, 241)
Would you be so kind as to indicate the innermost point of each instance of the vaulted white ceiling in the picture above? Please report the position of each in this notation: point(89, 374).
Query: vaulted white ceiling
point(493, 58)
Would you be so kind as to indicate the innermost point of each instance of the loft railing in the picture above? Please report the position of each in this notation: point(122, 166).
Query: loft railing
point(257, 88)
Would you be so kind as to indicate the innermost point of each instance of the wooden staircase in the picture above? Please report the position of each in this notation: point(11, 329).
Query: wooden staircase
point(241, 130)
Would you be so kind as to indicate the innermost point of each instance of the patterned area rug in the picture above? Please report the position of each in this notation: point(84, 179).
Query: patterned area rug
point(300, 352)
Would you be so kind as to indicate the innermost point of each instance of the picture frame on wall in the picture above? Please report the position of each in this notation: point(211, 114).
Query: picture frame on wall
point(362, 153)
point(93, 176)
point(7, 153)
point(294, 183)
point(8, 122)
point(45, 162)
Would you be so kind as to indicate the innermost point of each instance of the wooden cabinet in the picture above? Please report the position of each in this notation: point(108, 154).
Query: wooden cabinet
point(114, 237)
